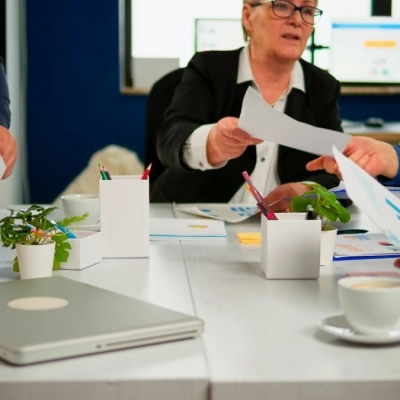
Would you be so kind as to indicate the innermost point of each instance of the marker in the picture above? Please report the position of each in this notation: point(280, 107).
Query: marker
point(107, 174)
point(102, 173)
point(267, 211)
point(311, 214)
point(146, 172)
point(65, 230)
point(351, 231)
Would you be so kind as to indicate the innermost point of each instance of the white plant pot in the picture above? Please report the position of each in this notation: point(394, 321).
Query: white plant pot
point(35, 261)
point(328, 238)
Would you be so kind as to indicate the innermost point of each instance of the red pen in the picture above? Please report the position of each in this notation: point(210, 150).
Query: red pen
point(146, 172)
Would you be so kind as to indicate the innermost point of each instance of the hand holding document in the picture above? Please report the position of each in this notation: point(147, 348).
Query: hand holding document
point(382, 206)
point(261, 121)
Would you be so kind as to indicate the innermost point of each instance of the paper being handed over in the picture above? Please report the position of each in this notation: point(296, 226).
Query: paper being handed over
point(261, 121)
point(382, 206)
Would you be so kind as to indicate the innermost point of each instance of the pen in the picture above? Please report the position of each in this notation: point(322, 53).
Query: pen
point(146, 172)
point(264, 208)
point(311, 214)
point(65, 230)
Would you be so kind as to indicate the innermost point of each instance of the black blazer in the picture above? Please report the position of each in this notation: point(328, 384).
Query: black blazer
point(208, 92)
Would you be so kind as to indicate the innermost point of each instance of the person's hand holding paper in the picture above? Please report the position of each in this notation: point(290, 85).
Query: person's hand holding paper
point(226, 141)
point(374, 156)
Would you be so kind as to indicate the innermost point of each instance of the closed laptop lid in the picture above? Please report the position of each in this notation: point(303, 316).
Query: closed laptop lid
point(51, 318)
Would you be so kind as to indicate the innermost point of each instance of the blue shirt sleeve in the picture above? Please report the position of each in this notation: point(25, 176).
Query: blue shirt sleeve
point(5, 114)
point(396, 180)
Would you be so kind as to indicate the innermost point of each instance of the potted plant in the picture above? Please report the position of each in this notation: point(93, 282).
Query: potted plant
point(325, 204)
point(40, 244)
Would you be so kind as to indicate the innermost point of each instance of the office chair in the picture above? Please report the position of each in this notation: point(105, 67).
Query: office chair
point(159, 97)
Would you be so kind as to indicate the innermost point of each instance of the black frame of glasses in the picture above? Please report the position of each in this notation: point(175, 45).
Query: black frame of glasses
point(295, 8)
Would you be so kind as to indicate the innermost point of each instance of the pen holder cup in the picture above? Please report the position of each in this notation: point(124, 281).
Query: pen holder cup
point(85, 250)
point(290, 247)
point(125, 216)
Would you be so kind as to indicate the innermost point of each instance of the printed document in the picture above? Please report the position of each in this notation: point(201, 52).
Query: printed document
point(225, 212)
point(382, 206)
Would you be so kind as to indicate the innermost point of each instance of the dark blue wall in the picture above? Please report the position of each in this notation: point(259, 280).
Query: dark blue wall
point(74, 106)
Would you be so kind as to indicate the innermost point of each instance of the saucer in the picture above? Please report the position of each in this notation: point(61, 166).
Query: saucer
point(338, 326)
point(83, 227)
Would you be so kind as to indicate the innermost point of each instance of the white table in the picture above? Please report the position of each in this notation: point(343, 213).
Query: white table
point(261, 338)
point(170, 371)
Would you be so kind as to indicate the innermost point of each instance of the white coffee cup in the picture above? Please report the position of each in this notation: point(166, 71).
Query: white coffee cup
point(371, 305)
point(78, 204)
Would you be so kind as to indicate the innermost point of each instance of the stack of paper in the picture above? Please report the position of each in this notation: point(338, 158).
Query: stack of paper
point(186, 229)
point(363, 245)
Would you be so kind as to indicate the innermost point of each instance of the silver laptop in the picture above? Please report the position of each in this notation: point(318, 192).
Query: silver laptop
point(52, 318)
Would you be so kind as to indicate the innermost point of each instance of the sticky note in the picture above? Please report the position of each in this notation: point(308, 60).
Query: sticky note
point(249, 237)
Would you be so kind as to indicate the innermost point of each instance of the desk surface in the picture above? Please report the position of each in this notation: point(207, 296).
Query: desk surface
point(261, 337)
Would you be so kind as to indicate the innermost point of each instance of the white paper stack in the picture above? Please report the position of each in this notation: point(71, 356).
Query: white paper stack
point(186, 229)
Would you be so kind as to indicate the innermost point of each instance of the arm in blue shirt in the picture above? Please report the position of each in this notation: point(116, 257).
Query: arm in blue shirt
point(5, 114)
point(396, 180)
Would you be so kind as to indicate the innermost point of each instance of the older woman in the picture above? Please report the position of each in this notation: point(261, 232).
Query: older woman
point(199, 142)
point(8, 145)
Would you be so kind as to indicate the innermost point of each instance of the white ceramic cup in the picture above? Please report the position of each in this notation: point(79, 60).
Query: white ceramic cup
point(77, 204)
point(371, 305)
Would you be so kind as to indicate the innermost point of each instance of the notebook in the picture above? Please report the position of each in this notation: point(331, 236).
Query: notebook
point(71, 318)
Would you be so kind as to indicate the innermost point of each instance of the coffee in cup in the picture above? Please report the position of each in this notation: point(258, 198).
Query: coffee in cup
point(78, 204)
point(371, 305)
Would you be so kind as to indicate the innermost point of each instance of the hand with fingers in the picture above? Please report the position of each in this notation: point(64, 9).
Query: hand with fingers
point(226, 141)
point(374, 156)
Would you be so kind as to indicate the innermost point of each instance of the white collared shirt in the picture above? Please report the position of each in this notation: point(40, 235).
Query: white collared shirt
point(265, 175)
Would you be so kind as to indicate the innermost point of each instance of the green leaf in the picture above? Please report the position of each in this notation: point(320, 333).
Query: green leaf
point(324, 203)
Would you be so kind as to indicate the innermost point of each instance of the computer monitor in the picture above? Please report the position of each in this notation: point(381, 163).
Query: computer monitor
point(366, 51)
point(218, 34)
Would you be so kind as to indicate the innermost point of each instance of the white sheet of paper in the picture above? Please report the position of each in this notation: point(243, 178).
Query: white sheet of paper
point(2, 167)
point(382, 206)
point(186, 229)
point(226, 212)
point(261, 121)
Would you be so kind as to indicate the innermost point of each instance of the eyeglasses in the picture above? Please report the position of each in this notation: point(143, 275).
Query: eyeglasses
point(285, 9)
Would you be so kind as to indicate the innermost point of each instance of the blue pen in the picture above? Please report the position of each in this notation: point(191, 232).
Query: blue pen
point(66, 231)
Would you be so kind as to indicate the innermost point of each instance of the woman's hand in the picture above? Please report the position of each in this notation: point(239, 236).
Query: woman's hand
point(226, 141)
